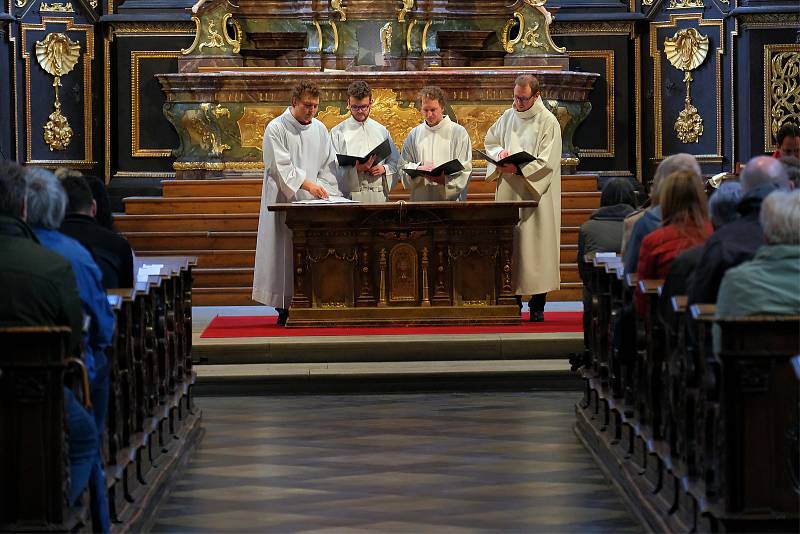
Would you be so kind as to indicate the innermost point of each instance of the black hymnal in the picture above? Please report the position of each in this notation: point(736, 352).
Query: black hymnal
point(518, 160)
point(451, 167)
point(381, 152)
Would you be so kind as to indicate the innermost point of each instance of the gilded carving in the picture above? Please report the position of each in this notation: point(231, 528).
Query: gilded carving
point(531, 37)
point(685, 4)
point(477, 119)
point(686, 50)
point(215, 40)
point(385, 109)
point(782, 87)
point(336, 5)
point(408, 5)
point(386, 38)
point(57, 54)
point(137, 56)
point(56, 7)
point(236, 42)
point(252, 124)
point(505, 40)
point(403, 262)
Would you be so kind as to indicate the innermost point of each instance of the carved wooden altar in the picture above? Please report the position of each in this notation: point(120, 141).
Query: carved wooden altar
point(403, 263)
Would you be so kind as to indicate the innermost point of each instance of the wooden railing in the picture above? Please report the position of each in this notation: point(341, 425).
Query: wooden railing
point(152, 422)
point(698, 439)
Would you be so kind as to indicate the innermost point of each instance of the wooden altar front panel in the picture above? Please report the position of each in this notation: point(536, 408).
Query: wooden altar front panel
point(403, 263)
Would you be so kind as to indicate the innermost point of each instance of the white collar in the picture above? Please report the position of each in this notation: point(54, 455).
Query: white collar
point(442, 123)
point(532, 111)
point(292, 122)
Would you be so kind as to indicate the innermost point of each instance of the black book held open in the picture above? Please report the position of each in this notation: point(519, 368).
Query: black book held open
point(451, 167)
point(518, 160)
point(381, 152)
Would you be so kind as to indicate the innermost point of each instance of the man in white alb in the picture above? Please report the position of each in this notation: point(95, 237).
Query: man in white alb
point(299, 164)
point(529, 126)
point(356, 136)
point(437, 140)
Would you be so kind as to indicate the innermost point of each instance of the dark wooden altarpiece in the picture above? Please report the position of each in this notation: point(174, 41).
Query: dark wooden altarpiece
point(403, 263)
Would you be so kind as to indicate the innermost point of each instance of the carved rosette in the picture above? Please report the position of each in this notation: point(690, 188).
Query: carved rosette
point(686, 51)
point(57, 54)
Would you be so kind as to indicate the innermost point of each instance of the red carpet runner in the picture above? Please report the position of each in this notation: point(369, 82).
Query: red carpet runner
point(264, 326)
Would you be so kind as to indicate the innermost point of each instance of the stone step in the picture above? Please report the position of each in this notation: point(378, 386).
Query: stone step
point(198, 205)
point(191, 240)
point(252, 186)
point(186, 222)
point(210, 258)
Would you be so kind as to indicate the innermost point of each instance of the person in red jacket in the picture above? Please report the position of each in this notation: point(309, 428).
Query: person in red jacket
point(788, 141)
point(685, 223)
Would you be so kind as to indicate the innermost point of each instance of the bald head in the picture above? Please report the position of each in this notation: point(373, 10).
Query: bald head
point(764, 170)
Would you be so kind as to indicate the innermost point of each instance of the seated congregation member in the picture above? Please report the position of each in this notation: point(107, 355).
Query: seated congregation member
point(299, 164)
point(110, 250)
point(39, 288)
point(99, 194)
point(356, 136)
point(603, 233)
point(434, 142)
point(738, 240)
point(685, 224)
point(792, 165)
point(529, 126)
point(788, 141)
point(768, 284)
point(722, 207)
point(638, 225)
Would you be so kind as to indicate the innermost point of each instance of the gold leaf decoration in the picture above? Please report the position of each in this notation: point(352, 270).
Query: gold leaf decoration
point(686, 51)
point(57, 54)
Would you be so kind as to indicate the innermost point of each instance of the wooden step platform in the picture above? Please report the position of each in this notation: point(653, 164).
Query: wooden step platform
point(217, 221)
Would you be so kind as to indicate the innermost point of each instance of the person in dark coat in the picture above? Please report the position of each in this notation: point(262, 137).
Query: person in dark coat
point(603, 233)
point(39, 288)
point(737, 241)
point(110, 250)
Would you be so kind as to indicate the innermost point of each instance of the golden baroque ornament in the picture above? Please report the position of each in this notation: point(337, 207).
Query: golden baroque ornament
point(686, 51)
point(57, 54)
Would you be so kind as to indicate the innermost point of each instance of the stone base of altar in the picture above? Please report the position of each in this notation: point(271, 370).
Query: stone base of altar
point(407, 315)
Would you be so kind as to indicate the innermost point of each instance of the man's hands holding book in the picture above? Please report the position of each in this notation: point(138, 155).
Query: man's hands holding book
point(508, 168)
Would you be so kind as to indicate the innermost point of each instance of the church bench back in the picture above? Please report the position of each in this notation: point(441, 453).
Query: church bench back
point(34, 478)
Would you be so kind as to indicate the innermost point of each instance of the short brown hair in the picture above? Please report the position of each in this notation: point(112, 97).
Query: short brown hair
point(431, 92)
point(359, 89)
point(305, 88)
point(529, 80)
point(683, 200)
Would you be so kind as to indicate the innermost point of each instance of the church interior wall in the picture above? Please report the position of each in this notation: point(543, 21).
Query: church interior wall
point(114, 104)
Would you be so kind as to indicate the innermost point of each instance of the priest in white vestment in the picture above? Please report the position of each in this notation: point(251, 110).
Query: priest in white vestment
point(437, 140)
point(299, 164)
point(357, 136)
point(529, 126)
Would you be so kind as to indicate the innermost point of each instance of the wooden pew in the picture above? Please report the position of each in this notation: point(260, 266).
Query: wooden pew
point(698, 440)
point(34, 465)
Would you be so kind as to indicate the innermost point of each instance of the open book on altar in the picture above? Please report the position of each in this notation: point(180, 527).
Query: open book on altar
point(518, 159)
point(381, 152)
point(451, 167)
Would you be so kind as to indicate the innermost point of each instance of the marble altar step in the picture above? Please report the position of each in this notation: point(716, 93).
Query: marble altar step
point(195, 205)
point(251, 204)
point(222, 276)
point(209, 259)
point(245, 187)
point(192, 240)
point(186, 222)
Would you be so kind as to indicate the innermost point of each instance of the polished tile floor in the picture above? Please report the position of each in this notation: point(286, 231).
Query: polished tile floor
point(416, 463)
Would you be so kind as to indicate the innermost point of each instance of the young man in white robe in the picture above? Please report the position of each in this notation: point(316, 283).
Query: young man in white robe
point(530, 126)
point(299, 164)
point(372, 180)
point(437, 140)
